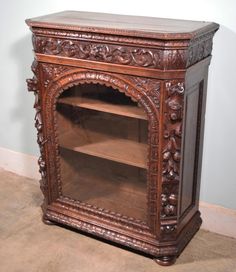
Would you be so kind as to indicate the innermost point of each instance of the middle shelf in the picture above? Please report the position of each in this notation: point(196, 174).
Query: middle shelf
point(107, 147)
point(104, 106)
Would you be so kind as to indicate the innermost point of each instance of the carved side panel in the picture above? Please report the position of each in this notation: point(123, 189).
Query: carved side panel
point(33, 86)
point(172, 136)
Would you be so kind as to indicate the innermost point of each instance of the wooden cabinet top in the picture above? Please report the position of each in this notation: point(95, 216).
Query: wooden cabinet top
point(134, 26)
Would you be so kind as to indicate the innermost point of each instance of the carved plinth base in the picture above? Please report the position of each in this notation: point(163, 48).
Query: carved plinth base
point(165, 260)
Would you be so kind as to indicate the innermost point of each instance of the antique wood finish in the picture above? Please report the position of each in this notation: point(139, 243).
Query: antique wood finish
point(161, 65)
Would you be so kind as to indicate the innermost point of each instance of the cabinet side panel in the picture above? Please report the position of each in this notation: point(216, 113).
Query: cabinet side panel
point(193, 106)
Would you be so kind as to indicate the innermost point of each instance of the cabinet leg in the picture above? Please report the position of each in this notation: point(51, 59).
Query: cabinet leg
point(46, 220)
point(165, 260)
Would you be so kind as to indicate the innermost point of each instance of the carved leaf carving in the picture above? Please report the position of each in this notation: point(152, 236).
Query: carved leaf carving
point(33, 86)
point(171, 152)
point(124, 55)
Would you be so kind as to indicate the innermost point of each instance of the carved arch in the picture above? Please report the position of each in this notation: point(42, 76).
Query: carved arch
point(141, 94)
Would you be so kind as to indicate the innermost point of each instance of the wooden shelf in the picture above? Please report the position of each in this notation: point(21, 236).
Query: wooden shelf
point(111, 148)
point(99, 105)
point(108, 194)
point(116, 191)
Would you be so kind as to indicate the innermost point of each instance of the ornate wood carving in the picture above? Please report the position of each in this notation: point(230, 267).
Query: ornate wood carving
point(171, 152)
point(173, 114)
point(34, 86)
point(52, 71)
point(199, 48)
point(128, 241)
point(125, 53)
point(106, 216)
point(146, 93)
point(94, 37)
point(149, 86)
point(111, 235)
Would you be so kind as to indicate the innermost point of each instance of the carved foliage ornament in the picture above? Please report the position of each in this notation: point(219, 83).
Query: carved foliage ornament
point(200, 48)
point(111, 53)
point(51, 72)
point(173, 114)
point(33, 86)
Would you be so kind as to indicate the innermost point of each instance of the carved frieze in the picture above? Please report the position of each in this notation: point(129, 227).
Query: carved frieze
point(156, 57)
point(199, 49)
point(124, 55)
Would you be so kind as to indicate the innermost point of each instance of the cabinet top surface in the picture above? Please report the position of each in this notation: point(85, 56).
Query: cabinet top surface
point(139, 26)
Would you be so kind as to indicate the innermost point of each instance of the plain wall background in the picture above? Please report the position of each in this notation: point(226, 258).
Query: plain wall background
point(17, 130)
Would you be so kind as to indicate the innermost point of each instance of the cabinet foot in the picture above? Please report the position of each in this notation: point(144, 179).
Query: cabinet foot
point(165, 260)
point(46, 221)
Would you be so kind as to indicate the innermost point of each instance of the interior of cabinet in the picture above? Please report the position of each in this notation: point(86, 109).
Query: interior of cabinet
point(103, 149)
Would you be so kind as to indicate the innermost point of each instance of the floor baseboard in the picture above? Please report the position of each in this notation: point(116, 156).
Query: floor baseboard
point(218, 219)
point(19, 163)
point(215, 218)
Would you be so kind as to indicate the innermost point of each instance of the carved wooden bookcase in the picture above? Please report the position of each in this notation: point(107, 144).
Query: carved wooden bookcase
point(120, 105)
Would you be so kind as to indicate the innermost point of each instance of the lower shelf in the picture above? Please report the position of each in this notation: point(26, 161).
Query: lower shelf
point(113, 186)
point(111, 148)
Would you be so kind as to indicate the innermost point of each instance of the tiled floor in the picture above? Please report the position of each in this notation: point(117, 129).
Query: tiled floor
point(26, 244)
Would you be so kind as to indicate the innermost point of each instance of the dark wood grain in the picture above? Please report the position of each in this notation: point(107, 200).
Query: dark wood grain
point(139, 26)
point(127, 168)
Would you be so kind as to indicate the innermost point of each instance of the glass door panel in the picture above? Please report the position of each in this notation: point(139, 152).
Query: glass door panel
point(103, 149)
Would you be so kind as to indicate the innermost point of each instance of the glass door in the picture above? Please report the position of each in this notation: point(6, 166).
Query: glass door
point(103, 149)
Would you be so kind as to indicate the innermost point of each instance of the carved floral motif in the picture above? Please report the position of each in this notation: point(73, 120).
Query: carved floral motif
point(150, 86)
point(51, 72)
point(124, 55)
point(169, 200)
point(171, 152)
point(172, 131)
point(199, 49)
point(33, 86)
point(84, 48)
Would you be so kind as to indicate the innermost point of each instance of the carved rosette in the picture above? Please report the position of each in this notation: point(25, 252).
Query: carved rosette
point(33, 86)
point(171, 152)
